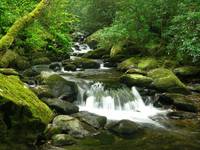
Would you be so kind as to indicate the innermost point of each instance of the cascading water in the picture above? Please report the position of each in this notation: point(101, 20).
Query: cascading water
point(118, 104)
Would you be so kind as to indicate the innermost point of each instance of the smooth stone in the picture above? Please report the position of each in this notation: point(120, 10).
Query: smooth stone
point(94, 120)
point(62, 107)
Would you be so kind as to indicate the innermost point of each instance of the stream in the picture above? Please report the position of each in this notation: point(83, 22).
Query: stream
point(101, 93)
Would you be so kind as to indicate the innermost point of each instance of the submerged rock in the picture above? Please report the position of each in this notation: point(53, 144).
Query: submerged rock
point(136, 80)
point(61, 106)
point(125, 128)
point(166, 80)
point(94, 120)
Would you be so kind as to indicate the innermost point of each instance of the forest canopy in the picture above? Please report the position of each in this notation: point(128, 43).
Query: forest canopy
point(161, 27)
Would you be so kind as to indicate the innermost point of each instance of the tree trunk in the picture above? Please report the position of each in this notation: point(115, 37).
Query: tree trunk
point(7, 40)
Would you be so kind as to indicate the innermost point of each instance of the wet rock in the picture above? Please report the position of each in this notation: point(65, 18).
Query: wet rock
point(70, 125)
point(86, 63)
point(61, 87)
point(166, 80)
point(69, 66)
point(94, 120)
point(136, 71)
point(9, 71)
point(62, 140)
point(179, 101)
point(42, 91)
point(136, 80)
point(62, 107)
point(55, 66)
point(41, 61)
point(31, 72)
point(125, 128)
point(181, 115)
point(187, 71)
point(110, 64)
point(96, 54)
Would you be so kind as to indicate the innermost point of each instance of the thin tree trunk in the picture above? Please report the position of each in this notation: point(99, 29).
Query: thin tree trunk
point(7, 40)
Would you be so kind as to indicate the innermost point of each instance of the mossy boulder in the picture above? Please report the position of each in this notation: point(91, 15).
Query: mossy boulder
point(25, 116)
point(96, 54)
point(14, 91)
point(9, 71)
point(136, 80)
point(166, 80)
point(8, 58)
point(41, 61)
point(22, 63)
point(181, 102)
point(86, 63)
point(128, 63)
point(69, 66)
point(187, 71)
point(148, 63)
point(136, 71)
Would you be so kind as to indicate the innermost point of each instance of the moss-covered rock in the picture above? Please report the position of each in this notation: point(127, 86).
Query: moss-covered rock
point(136, 71)
point(187, 71)
point(166, 80)
point(136, 80)
point(9, 71)
point(8, 58)
point(40, 61)
point(25, 116)
point(96, 54)
point(22, 63)
point(86, 63)
point(181, 102)
point(148, 63)
point(68, 66)
point(129, 63)
point(13, 90)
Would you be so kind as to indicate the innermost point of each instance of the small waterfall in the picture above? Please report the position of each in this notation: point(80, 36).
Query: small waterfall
point(118, 104)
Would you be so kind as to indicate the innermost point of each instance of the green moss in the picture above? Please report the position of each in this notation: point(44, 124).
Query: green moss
point(8, 71)
point(128, 63)
point(95, 54)
point(41, 60)
point(166, 80)
point(148, 63)
point(117, 49)
point(86, 63)
point(136, 79)
point(187, 71)
point(8, 57)
point(13, 90)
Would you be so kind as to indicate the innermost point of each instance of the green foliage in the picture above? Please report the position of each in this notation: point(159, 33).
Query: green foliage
point(48, 32)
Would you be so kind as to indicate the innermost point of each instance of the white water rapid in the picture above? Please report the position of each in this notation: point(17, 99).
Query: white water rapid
point(119, 104)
